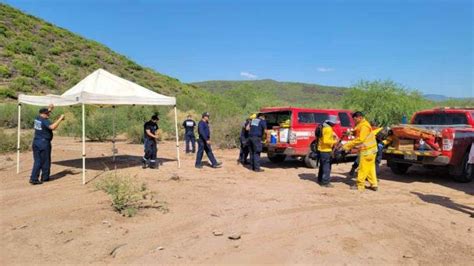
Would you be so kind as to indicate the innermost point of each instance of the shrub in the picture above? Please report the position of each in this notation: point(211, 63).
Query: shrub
point(56, 50)
point(21, 46)
point(22, 84)
point(8, 141)
point(53, 69)
point(7, 93)
point(76, 61)
point(47, 80)
point(25, 68)
point(135, 134)
point(5, 72)
point(99, 126)
point(127, 195)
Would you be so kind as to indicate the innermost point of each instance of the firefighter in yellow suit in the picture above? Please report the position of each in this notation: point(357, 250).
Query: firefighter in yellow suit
point(366, 143)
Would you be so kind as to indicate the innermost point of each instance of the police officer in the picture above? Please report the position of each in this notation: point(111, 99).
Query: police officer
point(244, 140)
point(256, 133)
point(42, 145)
point(325, 146)
point(189, 125)
point(204, 143)
point(150, 137)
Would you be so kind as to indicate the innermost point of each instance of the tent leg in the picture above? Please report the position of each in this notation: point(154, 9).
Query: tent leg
point(83, 145)
point(113, 136)
point(18, 140)
point(177, 138)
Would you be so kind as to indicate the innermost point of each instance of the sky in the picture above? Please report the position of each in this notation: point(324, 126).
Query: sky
point(421, 44)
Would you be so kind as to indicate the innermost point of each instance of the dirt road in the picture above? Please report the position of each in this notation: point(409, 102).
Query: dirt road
point(281, 215)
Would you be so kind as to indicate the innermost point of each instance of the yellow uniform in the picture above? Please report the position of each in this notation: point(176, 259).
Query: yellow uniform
point(327, 141)
point(365, 141)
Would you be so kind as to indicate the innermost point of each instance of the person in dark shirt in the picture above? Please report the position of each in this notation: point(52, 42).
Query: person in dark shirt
point(204, 143)
point(42, 145)
point(150, 137)
point(189, 126)
point(256, 133)
point(244, 140)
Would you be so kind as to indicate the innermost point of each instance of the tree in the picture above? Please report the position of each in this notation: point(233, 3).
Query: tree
point(384, 101)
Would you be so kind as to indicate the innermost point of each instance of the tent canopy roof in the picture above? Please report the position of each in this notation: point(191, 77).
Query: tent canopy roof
point(102, 87)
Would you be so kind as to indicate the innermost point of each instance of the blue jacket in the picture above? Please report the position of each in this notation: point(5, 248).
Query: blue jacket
point(203, 130)
point(257, 128)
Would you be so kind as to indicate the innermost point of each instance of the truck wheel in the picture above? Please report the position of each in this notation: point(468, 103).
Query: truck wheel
point(310, 163)
point(399, 168)
point(467, 171)
point(276, 158)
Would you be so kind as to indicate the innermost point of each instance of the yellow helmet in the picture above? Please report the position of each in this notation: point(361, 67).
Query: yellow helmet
point(253, 116)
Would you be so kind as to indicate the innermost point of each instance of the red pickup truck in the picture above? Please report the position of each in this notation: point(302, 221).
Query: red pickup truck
point(454, 135)
point(292, 131)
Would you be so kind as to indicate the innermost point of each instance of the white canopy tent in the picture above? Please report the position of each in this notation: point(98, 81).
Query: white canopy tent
point(101, 88)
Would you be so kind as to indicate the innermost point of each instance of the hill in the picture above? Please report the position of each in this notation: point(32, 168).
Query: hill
point(271, 91)
point(37, 57)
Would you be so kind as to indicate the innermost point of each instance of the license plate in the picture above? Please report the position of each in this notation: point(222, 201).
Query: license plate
point(410, 157)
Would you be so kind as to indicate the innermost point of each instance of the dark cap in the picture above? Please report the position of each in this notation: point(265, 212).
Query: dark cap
point(44, 111)
point(155, 117)
point(205, 114)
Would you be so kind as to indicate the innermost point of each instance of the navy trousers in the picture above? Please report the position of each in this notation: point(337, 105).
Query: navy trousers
point(204, 147)
point(244, 150)
point(324, 173)
point(255, 145)
point(150, 152)
point(42, 159)
point(190, 139)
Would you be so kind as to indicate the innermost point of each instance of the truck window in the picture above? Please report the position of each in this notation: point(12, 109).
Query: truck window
point(344, 118)
point(278, 119)
point(441, 119)
point(320, 117)
point(306, 118)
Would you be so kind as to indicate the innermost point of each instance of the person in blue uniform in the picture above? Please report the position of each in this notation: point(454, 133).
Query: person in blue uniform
point(150, 137)
point(42, 145)
point(256, 133)
point(204, 143)
point(189, 126)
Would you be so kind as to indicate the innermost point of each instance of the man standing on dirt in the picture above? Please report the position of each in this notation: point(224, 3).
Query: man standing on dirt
point(325, 146)
point(42, 145)
point(366, 143)
point(149, 139)
point(189, 125)
point(204, 143)
point(256, 133)
point(244, 140)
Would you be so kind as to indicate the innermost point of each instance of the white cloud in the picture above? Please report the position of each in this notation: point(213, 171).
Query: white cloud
point(248, 75)
point(325, 69)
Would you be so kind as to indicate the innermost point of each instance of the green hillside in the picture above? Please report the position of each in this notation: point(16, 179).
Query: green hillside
point(286, 93)
point(37, 57)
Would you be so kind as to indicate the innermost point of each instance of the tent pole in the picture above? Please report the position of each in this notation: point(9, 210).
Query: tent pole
point(113, 136)
point(18, 140)
point(83, 145)
point(177, 138)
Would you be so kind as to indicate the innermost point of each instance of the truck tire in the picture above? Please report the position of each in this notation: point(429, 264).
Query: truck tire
point(310, 163)
point(467, 171)
point(399, 168)
point(276, 158)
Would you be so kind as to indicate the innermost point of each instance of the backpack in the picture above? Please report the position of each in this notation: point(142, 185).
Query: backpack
point(318, 133)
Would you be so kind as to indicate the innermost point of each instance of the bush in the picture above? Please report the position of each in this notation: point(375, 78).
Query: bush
point(384, 101)
point(25, 68)
point(21, 46)
point(7, 93)
point(47, 80)
point(5, 72)
point(76, 61)
point(53, 69)
point(8, 141)
point(99, 126)
point(127, 195)
point(135, 134)
point(22, 84)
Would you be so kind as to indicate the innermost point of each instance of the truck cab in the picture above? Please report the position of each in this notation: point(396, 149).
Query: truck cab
point(290, 131)
point(452, 137)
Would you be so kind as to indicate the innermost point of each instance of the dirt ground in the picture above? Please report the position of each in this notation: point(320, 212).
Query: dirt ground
point(281, 215)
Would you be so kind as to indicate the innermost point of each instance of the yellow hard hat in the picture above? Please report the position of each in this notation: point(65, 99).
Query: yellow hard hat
point(253, 116)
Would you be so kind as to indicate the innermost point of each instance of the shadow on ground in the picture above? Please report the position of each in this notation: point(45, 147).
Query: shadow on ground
point(107, 163)
point(445, 202)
